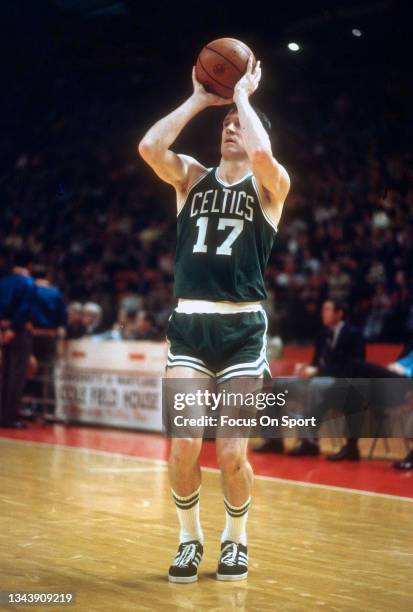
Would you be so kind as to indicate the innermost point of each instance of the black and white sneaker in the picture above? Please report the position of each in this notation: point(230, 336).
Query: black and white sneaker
point(233, 563)
point(184, 567)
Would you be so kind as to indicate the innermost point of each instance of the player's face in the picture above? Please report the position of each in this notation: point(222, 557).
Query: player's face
point(232, 146)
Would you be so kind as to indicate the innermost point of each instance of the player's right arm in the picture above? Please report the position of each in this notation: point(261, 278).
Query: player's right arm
point(155, 145)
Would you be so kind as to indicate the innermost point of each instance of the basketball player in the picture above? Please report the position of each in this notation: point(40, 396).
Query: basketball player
point(227, 220)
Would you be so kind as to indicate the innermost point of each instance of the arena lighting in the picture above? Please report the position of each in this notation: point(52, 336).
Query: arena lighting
point(356, 32)
point(293, 46)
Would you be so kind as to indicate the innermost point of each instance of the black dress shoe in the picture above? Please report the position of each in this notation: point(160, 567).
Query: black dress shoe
point(270, 446)
point(406, 463)
point(347, 453)
point(306, 449)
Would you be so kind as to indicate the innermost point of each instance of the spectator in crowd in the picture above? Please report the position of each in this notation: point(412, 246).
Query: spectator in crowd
point(342, 234)
point(388, 394)
point(75, 328)
point(130, 303)
point(91, 318)
point(337, 348)
point(49, 320)
point(378, 313)
point(119, 331)
point(404, 363)
point(17, 294)
point(400, 299)
point(131, 325)
point(339, 283)
point(145, 328)
point(4, 261)
point(123, 329)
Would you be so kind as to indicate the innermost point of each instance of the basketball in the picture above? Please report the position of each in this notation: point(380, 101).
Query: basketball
point(221, 64)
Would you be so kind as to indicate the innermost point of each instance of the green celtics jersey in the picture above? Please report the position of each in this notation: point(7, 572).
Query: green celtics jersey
point(224, 241)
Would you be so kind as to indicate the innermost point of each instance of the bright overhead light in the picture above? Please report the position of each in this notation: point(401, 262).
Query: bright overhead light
point(356, 32)
point(293, 46)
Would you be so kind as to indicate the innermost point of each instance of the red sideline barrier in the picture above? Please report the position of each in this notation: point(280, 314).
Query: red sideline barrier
point(292, 354)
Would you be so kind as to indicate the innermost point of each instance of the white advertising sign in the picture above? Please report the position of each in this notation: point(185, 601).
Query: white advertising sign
point(111, 383)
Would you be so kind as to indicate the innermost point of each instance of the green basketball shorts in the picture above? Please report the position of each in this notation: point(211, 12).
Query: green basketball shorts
point(223, 346)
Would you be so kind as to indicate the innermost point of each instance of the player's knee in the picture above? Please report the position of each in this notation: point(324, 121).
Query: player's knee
point(185, 450)
point(231, 460)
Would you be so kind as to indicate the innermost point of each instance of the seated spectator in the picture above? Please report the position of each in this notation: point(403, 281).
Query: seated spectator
point(75, 328)
point(131, 325)
point(380, 310)
point(91, 318)
point(145, 326)
point(338, 346)
point(404, 363)
point(339, 283)
point(399, 369)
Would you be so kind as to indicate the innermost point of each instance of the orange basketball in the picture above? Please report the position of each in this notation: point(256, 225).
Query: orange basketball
point(221, 64)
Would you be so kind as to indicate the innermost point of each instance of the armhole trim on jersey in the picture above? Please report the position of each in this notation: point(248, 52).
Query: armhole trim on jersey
point(198, 180)
point(266, 216)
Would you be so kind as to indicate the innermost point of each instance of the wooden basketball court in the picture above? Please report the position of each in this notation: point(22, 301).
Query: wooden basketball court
point(102, 524)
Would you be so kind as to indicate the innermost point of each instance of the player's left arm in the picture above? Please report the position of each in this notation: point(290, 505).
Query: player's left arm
point(271, 176)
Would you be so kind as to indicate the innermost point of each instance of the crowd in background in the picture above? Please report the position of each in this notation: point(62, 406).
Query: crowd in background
point(77, 195)
point(132, 322)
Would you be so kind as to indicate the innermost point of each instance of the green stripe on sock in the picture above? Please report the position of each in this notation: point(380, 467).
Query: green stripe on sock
point(234, 511)
point(185, 503)
point(186, 507)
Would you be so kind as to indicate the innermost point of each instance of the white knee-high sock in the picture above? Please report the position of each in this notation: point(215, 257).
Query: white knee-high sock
point(187, 509)
point(236, 522)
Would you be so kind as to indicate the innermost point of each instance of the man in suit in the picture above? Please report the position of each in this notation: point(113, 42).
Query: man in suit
point(338, 347)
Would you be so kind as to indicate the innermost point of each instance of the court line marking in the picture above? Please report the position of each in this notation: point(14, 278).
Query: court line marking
point(163, 462)
point(159, 468)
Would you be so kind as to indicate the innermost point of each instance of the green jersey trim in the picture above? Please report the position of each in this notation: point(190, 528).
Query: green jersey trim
point(198, 180)
point(220, 180)
point(266, 217)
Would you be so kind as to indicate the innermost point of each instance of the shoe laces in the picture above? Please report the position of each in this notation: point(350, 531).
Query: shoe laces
point(185, 556)
point(229, 554)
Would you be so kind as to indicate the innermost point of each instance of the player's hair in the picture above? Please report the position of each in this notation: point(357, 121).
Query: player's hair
point(263, 117)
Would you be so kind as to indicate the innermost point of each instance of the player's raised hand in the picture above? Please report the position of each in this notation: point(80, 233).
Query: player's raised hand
point(250, 81)
point(203, 95)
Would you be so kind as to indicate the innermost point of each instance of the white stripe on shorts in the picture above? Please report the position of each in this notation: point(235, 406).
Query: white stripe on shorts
point(247, 372)
point(172, 357)
point(190, 364)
